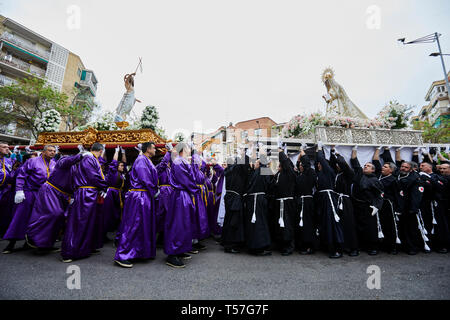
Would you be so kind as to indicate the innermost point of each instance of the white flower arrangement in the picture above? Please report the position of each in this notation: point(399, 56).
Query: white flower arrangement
point(50, 121)
point(105, 122)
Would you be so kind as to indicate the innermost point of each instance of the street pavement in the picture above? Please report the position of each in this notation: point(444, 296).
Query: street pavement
point(213, 274)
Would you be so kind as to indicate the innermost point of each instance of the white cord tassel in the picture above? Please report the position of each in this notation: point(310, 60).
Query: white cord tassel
point(433, 204)
point(336, 217)
point(301, 215)
point(380, 231)
point(421, 229)
point(254, 209)
point(281, 220)
point(395, 217)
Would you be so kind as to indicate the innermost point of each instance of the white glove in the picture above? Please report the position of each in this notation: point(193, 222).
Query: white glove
point(87, 153)
point(81, 148)
point(16, 149)
point(424, 151)
point(19, 197)
point(103, 194)
point(157, 194)
point(56, 149)
point(417, 149)
point(320, 145)
point(280, 144)
point(71, 201)
point(169, 146)
point(139, 147)
point(304, 146)
point(122, 149)
point(399, 148)
point(27, 149)
point(355, 148)
point(380, 147)
point(117, 149)
point(374, 210)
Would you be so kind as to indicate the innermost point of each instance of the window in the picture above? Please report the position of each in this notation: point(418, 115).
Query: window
point(79, 73)
point(244, 134)
point(258, 132)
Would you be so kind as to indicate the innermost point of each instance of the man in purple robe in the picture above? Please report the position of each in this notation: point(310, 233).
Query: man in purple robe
point(178, 233)
point(6, 172)
point(113, 205)
point(200, 222)
point(89, 183)
point(47, 217)
point(29, 180)
point(165, 189)
point(137, 230)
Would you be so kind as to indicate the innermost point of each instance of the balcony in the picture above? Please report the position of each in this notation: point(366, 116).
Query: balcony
point(25, 45)
point(6, 81)
point(20, 67)
point(88, 80)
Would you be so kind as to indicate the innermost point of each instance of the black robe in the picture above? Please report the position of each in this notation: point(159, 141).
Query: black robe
point(236, 177)
point(343, 185)
point(283, 186)
point(388, 217)
point(330, 226)
point(433, 216)
point(257, 233)
point(305, 235)
point(409, 205)
point(367, 193)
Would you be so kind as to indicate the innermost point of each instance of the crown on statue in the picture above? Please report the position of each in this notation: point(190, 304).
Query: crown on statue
point(327, 74)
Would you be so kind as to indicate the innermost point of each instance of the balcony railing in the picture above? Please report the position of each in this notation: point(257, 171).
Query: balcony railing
point(22, 65)
point(25, 45)
point(6, 81)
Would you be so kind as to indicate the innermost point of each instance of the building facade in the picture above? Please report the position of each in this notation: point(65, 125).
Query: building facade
point(438, 107)
point(24, 53)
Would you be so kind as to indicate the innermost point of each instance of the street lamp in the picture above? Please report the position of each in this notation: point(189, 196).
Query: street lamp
point(429, 39)
point(435, 54)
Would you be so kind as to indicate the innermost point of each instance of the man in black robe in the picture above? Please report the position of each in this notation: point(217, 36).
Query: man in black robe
point(389, 211)
point(256, 209)
point(236, 176)
point(283, 188)
point(305, 221)
point(433, 216)
point(367, 195)
point(411, 226)
point(342, 186)
point(330, 226)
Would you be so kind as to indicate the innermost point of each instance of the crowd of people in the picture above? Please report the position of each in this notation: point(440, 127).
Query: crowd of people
point(315, 204)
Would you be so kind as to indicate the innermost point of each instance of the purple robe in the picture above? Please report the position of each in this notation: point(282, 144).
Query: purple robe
point(47, 217)
point(113, 205)
point(138, 227)
point(165, 190)
point(80, 235)
point(7, 187)
point(30, 179)
point(200, 221)
point(178, 233)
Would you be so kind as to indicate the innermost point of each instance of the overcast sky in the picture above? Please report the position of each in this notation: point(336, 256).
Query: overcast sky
point(233, 60)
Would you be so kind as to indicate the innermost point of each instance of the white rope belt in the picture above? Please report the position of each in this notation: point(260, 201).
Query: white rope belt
point(301, 212)
point(394, 216)
point(233, 192)
point(281, 220)
point(340, 203)
point(255, 195)
point(433, 204)
point(328, 191)
point(422, 229)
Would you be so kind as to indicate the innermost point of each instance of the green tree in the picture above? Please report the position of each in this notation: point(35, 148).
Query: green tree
point(31, 97)
point(434, 135)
